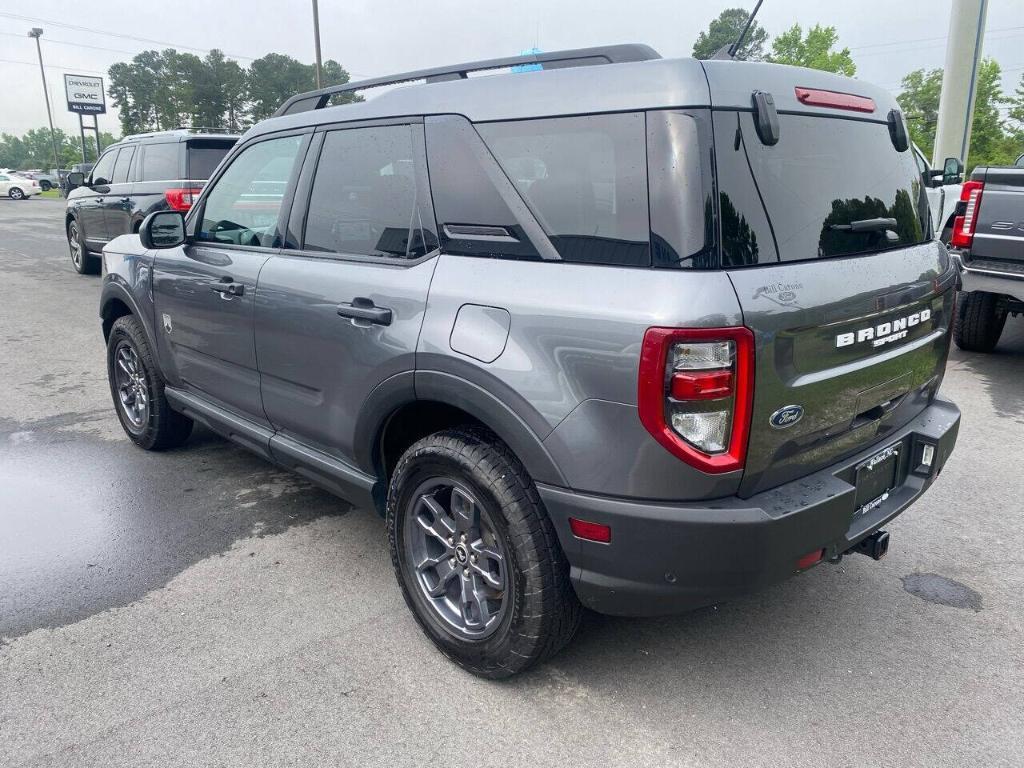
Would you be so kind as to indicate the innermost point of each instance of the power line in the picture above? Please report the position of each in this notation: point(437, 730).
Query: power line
point(55, 66)
point(79, 28)
point(924, 39)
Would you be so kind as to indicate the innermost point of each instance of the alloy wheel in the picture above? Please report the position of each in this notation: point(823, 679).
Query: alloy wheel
point(17, 194)
point(457, 557)
point(75, 244)
point(130, 380)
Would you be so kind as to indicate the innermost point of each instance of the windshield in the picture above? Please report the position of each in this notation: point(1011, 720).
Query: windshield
point(830, 187)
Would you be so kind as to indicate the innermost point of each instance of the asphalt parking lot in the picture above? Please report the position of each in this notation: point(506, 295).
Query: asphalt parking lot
point(202, 607)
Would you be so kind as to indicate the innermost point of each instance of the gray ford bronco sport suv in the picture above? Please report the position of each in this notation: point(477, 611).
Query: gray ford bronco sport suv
point(625, 333)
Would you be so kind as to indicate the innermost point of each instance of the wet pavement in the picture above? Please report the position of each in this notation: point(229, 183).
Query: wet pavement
point(203, 607)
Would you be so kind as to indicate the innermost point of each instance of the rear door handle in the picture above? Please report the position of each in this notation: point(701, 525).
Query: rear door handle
point(362, 308)
point(226, 288)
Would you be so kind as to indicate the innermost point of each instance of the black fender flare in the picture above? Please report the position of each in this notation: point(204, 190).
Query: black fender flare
point(449, 389)
point(115, 290)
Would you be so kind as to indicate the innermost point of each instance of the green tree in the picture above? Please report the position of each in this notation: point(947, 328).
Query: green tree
point(725, 29)
point(992, 140)
point(814, 51)
point(34, 149)
point(273, 79)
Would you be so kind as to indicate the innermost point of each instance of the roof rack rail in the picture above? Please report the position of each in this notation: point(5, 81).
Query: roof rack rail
point(578, 57)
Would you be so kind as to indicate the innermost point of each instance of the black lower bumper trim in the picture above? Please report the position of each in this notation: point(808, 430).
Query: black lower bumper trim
point(667, 558)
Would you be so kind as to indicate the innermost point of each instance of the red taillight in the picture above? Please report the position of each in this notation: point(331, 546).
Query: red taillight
point(583, 529)
point(813, 97)
point(964, 226)
point(181, 199)
point(695, 393)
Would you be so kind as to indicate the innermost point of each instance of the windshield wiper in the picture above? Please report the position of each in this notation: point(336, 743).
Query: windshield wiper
point(865, 225)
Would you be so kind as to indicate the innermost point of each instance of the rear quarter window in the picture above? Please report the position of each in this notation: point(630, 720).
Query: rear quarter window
point(795, 200)
point(585, 179)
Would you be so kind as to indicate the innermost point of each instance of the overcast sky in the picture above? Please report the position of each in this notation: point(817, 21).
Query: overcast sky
point(887, 38)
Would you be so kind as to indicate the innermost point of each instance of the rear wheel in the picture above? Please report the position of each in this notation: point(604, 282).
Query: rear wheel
point(16, 193)
point(979, 321)
point(45, 186)
point(137, 388)
point(83, 261)
point(476, 555)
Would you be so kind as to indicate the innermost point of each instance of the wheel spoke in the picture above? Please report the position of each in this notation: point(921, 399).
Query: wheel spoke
point(490, 565)
point(440, 527)
point(475, 610)
point(442, 568)
point(464, 511)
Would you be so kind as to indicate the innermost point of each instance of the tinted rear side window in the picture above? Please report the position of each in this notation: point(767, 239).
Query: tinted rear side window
point(124, 161)
point(823, 175)
point(160, 162)
point(205, 156)
point(369, 197)
point(585, 179)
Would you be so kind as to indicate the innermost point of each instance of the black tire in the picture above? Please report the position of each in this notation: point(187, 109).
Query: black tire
point(83, 261)
point(161, 428)
point(16, 193)
point(45, 186)
point(979, 321)
point(542, 612)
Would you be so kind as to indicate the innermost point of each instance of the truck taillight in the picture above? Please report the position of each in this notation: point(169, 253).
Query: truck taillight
point(964, 226)
point(695, 393)
point(181, 199)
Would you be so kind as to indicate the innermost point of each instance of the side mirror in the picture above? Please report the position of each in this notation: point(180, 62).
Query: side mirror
point(75, 180)
point(952, 171)
point(163, 229)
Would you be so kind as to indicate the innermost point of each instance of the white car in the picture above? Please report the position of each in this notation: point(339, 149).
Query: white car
point(18, 187)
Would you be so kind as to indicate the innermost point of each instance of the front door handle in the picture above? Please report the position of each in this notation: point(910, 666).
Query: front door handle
point(362, 308)
point(226, 288)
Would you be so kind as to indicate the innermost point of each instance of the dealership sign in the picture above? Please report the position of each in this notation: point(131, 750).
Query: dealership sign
point(85, 94)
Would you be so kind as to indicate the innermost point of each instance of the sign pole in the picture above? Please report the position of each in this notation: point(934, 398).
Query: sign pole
point(81, 130)
point(96, 128)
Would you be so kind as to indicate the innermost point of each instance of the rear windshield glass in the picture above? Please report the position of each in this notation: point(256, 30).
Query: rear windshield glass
point(585, 178)
point(204, 156)
point(830, 187)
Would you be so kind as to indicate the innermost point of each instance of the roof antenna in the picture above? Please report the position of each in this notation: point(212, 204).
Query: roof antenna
point(729, 51)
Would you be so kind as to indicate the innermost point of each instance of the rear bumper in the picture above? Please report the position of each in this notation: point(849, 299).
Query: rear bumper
point(667, 558)
point(992, 277)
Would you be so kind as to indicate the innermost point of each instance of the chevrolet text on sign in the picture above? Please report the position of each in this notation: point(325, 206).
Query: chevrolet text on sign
point(85, 94)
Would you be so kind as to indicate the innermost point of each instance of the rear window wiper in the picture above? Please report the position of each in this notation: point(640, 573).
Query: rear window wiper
point(865, 225)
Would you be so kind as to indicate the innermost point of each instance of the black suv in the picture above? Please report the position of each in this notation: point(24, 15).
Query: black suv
point(140, 174)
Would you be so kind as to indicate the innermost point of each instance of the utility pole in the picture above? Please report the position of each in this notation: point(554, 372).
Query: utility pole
point(37, 32)
point(960, 80)
point(316, 39)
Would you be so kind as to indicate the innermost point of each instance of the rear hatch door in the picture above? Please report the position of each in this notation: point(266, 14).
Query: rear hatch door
point(851, 320)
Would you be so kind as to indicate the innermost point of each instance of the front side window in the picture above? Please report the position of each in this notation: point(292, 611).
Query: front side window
point(243, 206)
point(104, 170)
point(160, 162)
point(585, 179)
point(369, 197)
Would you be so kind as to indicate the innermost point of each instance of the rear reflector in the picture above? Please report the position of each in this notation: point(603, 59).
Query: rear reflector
point(964, 226)
point(701, 385)
point(582, 529)
point(813, 97)
point(810, 559)
point(181, 199)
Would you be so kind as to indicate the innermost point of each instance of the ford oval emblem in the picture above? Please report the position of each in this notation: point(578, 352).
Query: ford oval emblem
point(786, 416)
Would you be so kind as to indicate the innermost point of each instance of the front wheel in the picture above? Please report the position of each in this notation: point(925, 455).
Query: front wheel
point(476, 555)
point(137, 388)
point(45, 186)
point(16, 193)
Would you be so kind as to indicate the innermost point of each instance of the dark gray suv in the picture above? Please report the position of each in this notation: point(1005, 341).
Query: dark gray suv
point(626, 333)
point(141, 173)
